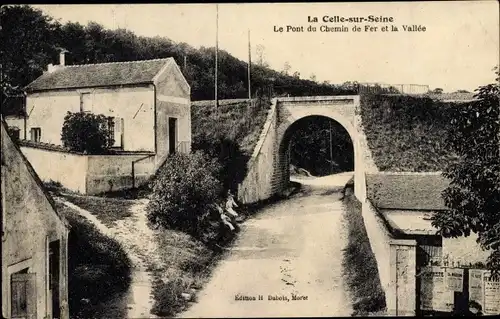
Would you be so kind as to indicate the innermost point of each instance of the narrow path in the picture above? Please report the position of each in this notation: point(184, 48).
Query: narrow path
point(138, 241)
point(290, 255)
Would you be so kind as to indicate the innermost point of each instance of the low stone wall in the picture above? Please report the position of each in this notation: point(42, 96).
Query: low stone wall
point(69, 169)
point(257, 185)
point(380, 239)
point(90, 174)
point(107, 173)
point(396, 263)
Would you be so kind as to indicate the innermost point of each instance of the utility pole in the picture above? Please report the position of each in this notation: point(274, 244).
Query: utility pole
point(185, 63)
point(216, 53)
point(249, 69)
point(331, 152)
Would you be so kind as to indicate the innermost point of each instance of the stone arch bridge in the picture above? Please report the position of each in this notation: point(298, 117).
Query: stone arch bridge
point(268, 169)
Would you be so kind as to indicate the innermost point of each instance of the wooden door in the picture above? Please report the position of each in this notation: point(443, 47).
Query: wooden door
point(172, 135)
point(23, 296)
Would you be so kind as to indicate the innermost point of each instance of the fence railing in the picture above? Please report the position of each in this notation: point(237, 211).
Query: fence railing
point(393, 88)
point(183, 147)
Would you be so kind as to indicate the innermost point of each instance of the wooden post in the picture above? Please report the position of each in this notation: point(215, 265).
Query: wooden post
point(249, 68)
point(216, 54)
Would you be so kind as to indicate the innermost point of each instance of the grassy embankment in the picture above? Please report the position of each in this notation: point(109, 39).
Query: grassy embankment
point(407, 133)
point(99, 270)
point(359, 264)
point(234, 119)
point(107, 210)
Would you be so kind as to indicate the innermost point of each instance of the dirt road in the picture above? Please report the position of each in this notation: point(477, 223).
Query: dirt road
point(290, 256)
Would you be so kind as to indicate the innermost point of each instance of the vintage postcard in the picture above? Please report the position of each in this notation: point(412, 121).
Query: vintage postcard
point(250, 160)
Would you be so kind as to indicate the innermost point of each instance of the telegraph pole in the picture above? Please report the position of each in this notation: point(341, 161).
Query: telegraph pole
point(331, 152)
point(249, 68)
point(216, 53)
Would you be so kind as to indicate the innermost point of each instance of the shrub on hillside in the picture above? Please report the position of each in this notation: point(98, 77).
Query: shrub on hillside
point(184, 188)
point(86, 132)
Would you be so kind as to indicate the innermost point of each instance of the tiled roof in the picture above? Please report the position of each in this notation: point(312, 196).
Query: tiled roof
point(102, 74)
point(406, 191)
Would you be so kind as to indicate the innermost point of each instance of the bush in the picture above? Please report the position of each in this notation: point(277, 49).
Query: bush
point(86, 132)
point(168, 297)
point(183, 190)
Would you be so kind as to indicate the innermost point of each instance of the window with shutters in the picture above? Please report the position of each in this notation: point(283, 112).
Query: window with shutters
point(23, 295)
point(115, 131)
point(36, 134)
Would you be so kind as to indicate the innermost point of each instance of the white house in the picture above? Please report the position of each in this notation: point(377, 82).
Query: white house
point(148, 107)
point(148, 103)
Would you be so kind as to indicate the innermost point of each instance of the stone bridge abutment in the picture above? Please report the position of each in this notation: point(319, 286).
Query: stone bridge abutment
point(268, 169)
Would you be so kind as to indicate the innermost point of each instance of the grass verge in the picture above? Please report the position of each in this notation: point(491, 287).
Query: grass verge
point(187, 266)
point(99, 270)
point(107, 210)
point(359, 264)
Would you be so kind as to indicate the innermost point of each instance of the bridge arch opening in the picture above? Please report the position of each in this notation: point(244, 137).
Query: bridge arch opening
point(318, 145)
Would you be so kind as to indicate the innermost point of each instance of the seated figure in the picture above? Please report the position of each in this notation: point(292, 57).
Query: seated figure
point(229, 205)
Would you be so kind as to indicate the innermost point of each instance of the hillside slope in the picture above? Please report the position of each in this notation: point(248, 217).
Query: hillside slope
point(229, 133)
point(407, 133)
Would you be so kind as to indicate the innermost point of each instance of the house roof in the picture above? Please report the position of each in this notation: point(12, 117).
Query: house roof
point(410, 222)
point(101, 74)
point(407, 191)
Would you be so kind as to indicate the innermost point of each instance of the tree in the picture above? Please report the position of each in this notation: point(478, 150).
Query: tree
point(28, 44)
point(437, 91)
point(86, 132)
point(473, 197)
point(286, 68)
point(313, 77)
point(260, 56)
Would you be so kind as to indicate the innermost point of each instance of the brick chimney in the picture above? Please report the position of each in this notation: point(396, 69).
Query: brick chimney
point(62, 57)
point(62, 62)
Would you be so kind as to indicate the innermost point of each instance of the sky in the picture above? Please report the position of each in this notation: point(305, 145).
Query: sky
point(457, 50)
